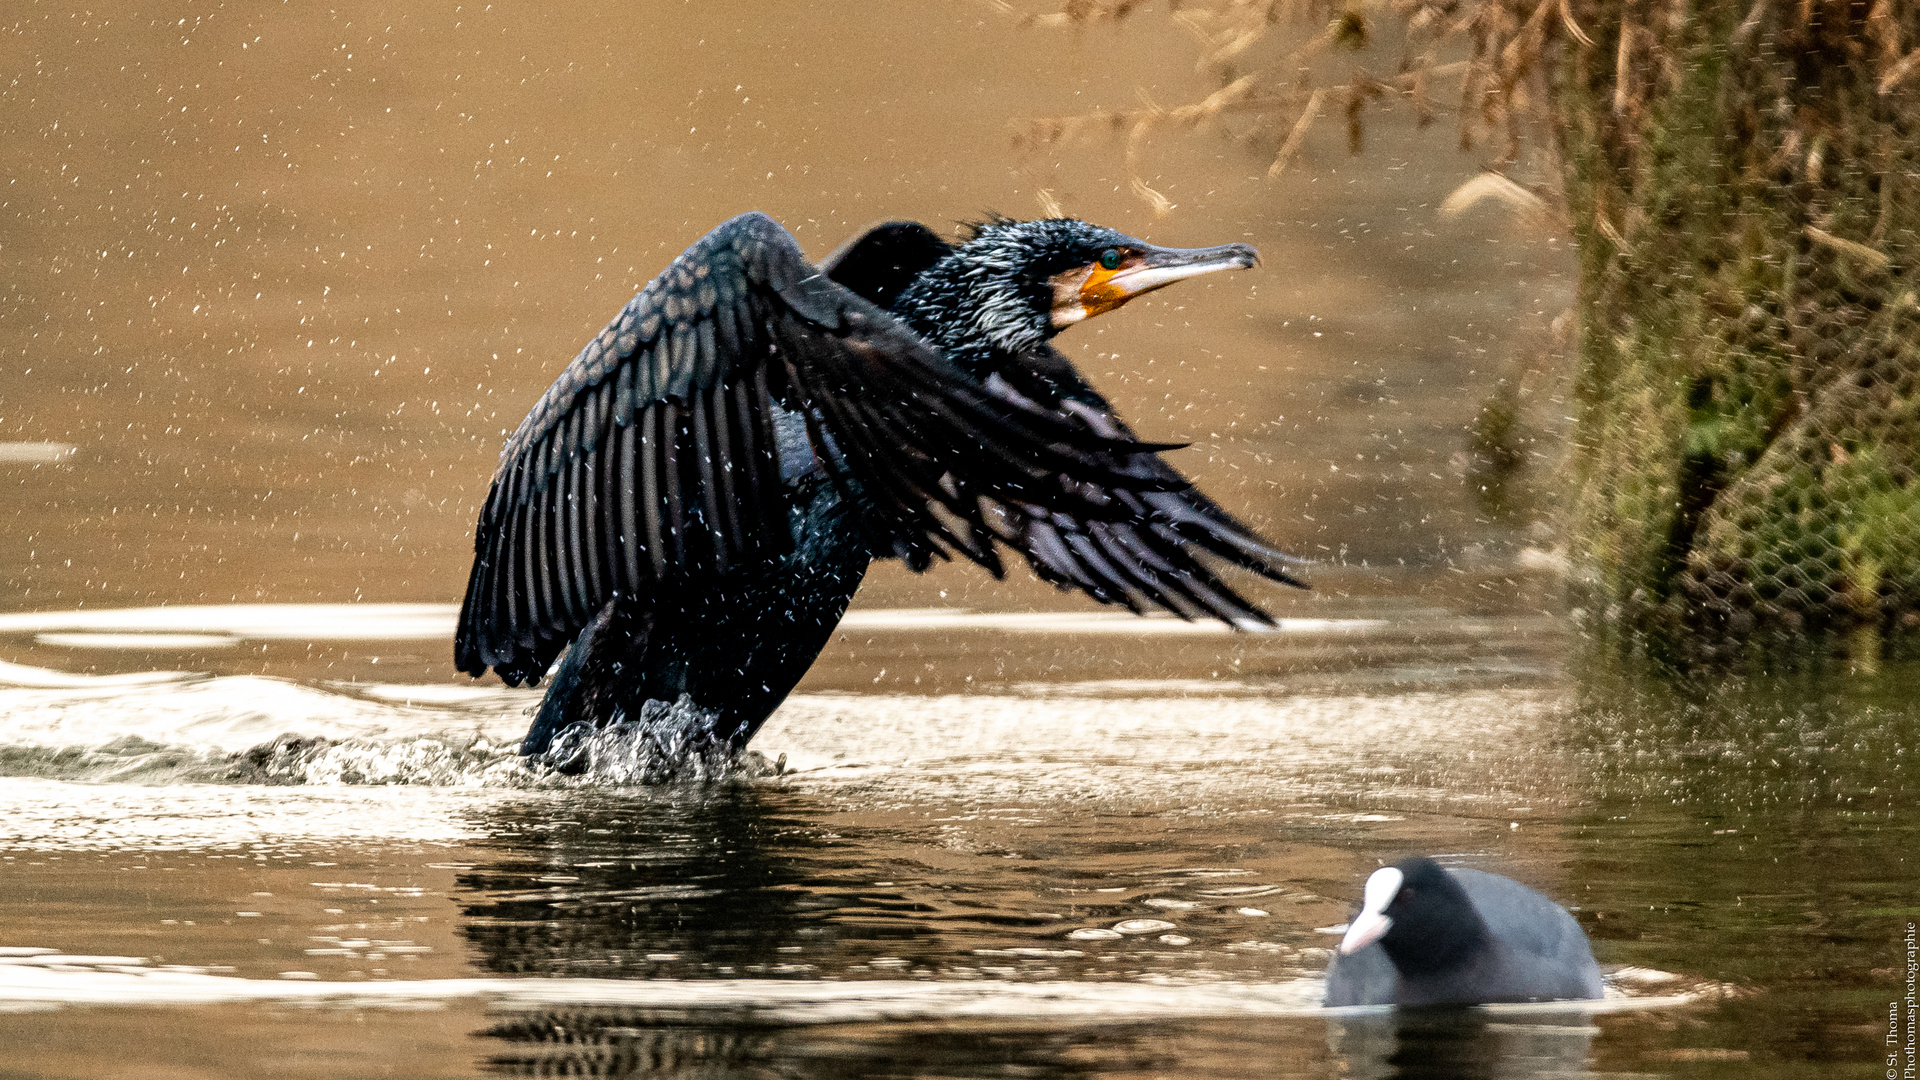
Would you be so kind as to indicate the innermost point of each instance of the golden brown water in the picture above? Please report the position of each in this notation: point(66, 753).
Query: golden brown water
point(282, 276)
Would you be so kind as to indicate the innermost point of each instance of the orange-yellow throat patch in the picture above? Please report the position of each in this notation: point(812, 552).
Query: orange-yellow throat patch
point(1079, 295)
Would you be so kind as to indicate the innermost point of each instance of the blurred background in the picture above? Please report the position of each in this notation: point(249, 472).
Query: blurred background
point(276, 281)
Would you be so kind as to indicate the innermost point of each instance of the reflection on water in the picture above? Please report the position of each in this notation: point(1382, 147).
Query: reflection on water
point(735, 880)
point(1762, 828)
point(1418, 1045)
point(1430, 1044)
point(747, 882)
point(590, 1044)
point(1423, 1046)
point(625, 1046)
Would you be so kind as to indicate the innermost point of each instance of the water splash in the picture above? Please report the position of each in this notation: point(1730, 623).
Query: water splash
point(472, 760)
point(672, 743)
point(668, 742)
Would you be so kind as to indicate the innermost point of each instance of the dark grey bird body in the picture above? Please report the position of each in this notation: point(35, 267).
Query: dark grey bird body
point(1458, 936)
point(693, 503)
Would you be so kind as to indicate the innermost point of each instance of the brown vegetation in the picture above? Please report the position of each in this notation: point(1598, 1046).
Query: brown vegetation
point(1742, 178)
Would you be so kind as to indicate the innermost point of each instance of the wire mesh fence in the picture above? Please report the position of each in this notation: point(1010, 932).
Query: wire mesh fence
point(1751, 371)
point(1743, 180)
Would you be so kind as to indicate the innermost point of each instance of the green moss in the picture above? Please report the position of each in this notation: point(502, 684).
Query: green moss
point(1748, 428)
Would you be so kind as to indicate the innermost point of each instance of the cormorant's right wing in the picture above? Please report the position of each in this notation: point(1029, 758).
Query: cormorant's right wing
point(879, 263)
point(1144, 557)
point(653, 457)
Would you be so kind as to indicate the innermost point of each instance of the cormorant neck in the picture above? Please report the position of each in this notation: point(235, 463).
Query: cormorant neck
point(977, 307)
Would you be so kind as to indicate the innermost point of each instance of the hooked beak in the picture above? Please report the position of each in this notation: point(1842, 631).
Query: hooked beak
point(1092, 290)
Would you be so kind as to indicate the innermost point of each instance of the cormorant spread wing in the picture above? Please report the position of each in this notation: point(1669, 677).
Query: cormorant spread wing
point(1142, 559)
point(885, 259)
point(658, 453)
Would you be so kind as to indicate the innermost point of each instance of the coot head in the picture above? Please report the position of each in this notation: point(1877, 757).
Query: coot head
point(1419, 914)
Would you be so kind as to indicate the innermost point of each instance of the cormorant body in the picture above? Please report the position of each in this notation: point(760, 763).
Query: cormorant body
point(1430, 935)
point(694, 501)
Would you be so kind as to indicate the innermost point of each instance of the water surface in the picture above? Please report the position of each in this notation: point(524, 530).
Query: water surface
point(1105, 876)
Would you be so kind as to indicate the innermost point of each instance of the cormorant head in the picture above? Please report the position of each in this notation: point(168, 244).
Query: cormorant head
point(1025, 281)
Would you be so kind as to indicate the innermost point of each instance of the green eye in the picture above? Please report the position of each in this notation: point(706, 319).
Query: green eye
point(1110, 259)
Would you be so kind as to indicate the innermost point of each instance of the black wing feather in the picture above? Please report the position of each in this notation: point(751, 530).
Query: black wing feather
point(1152, 543)
point(879, 263)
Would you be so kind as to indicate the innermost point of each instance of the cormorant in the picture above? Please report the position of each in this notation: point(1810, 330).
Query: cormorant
point(693, 502)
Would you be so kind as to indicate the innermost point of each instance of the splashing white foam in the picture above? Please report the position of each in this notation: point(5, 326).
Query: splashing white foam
point(669, 741)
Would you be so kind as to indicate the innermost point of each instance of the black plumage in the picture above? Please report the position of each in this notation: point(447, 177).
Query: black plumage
point(1430, 935)
point(694, 500)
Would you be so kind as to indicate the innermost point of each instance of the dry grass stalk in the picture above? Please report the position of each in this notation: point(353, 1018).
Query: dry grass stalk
point(1573, 28)
point(1499, 188)
point(1270, 92)
point(1876, 259)
point(1298, 135)
point(1898, 71)
point(1074, 13)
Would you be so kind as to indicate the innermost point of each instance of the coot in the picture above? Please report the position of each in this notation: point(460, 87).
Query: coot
point(1427, 935)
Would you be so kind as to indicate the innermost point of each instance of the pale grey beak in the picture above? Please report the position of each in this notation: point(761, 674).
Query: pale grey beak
point(1163, 266)
point(1373, 922)
point(1365, 929)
